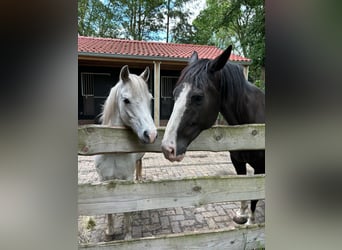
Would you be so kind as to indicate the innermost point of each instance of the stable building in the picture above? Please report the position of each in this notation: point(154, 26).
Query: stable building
point(100, 61)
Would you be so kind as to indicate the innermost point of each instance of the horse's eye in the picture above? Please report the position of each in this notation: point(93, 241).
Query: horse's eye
point(126, 101)
point(197, 99)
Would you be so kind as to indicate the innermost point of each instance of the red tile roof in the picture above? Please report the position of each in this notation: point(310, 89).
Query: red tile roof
point(111, 46)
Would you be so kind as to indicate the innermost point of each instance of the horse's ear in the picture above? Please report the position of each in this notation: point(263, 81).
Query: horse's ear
point(124, 73)
point(144, 75)
point(193, 58)
point(219, 62)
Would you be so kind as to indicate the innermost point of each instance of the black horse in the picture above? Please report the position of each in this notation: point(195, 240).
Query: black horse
point(205, 88)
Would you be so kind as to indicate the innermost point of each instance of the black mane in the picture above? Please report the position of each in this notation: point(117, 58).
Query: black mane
point(233, 82)
point(231, 78)
point(193, 73)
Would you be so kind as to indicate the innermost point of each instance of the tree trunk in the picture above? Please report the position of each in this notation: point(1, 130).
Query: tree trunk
point(168, 21)
point(262, 74)
point(139, 21)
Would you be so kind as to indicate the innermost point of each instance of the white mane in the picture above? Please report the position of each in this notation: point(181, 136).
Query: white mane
point(110, 113)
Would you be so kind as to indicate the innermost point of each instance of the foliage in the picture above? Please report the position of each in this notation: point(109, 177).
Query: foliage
point(91, 224)
point(142, 19)
point(134, 19)
point(208, 22)
point(98, 19)
point(260, 84)
point(223, 22)
point(237, 22)
point(181, 30)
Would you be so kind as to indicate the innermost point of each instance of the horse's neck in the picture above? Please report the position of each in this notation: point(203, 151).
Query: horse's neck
point(245, 108)
point(229, 114)
point(114, 120)
point(111, 114)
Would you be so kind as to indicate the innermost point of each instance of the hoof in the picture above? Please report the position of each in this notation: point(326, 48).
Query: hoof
point(240, 219)
point(128, 237)
point(108, 237)
point(112, 237)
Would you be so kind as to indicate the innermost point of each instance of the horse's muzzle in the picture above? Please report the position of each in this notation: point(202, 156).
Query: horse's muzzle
point(169, 152)
point(149, 136)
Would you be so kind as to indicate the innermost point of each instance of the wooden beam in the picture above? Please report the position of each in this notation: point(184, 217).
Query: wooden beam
point(126, 196)
point(244, 237)
point(98, 139)
point(245, 71)
point(156, 93)
point(119, 62)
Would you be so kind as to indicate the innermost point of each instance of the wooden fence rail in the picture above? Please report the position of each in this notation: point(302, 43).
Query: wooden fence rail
point(125, 196)
point(117, 196)
point(97, 139)
point(245, 237)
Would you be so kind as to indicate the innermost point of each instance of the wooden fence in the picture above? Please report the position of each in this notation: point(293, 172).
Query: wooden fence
point(127, 196)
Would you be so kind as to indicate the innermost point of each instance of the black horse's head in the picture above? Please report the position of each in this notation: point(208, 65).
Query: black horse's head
point(197, 103)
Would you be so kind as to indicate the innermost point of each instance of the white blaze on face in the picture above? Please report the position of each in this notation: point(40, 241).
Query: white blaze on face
point(169, 146)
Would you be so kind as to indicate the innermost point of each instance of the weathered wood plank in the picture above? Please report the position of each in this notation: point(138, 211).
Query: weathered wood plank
point(97, 139)
point(156, 84)
point(242, 238)
point(124, 196)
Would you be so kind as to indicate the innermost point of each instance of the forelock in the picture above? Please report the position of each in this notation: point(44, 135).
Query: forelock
point(138, 86)
point(195, 73)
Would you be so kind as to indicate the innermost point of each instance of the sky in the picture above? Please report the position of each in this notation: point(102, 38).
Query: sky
point(196, 6)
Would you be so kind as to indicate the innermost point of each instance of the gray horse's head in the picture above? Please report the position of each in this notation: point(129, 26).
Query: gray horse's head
point(134, 103)
point(129, 104)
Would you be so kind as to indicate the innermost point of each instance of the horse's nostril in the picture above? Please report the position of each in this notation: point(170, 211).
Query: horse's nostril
point(146, 134)
point(171, 150)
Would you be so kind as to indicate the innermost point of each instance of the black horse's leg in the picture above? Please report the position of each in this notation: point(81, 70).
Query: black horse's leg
point(253, 206)
point(240, 167)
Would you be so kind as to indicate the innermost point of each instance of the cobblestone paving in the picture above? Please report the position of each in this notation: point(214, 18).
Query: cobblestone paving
point(168, 220)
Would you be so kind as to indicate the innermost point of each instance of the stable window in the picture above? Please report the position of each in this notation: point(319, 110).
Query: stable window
point(87, 82)
point(94, 90)
point(167, 84)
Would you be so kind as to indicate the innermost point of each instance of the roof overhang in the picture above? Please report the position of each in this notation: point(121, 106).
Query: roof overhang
point(134, 57)
point(139, 59)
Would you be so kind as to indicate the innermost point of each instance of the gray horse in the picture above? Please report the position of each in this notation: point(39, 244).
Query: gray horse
point(129, 105)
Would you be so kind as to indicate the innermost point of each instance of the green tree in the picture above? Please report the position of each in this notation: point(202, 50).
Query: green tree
point(237, 22)
point(207, 24)
point(135, 19)
point(142, 19)
point(96, 18)
point(178, 28)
